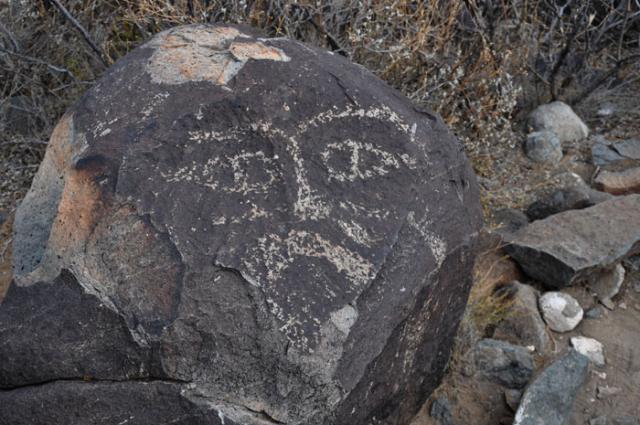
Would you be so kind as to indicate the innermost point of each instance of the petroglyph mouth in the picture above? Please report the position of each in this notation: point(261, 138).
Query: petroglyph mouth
point(203, 53)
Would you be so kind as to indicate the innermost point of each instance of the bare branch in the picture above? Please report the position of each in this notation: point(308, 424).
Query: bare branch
point(83, 31)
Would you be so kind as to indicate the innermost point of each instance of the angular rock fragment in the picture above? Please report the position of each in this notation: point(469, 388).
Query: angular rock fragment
point(590, 348)
point(575, 245)
point(523, 324)
point(504, 363)
point(549, 398)
point(266, 227)
point(619, 182)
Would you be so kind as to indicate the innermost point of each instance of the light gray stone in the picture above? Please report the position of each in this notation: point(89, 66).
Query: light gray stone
point(561, 311)
point(590, 348)
point(559, 118)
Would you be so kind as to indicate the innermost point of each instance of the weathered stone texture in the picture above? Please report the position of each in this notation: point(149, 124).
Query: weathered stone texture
point(283, 237)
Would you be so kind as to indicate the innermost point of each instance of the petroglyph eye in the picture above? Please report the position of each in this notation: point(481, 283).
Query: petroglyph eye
point(351, 160)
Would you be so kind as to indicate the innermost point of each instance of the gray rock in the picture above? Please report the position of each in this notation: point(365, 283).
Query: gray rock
point(590, 348)
point(512, 398)
point(625, 420)
point(549, 398)
point(603, 154)
point(560, 311)
point(509, 221)
point(593, 313)
point(629, 148)
point(600, 420)
point(557, 202)
point(573, 194)
point(608, 284)
point(544, 147)
point(441, 411)
point(522, 324)
point(264, 225)
point(575, 245)
point(559, 118)
point(603, 392)
point(504, 363)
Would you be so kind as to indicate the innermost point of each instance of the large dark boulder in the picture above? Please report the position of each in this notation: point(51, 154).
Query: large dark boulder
point(253, 230)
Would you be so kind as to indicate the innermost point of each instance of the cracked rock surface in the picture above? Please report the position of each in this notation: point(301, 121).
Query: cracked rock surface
point(228, 229)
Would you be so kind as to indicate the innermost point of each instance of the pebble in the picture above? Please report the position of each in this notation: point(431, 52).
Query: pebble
point(590, 348)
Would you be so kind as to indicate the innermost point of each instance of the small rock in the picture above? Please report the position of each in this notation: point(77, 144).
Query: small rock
point(629, 148)
point(625, 420)
point(603, 154)
point(522, 323)
point(610, 305)
point(606, 391)
point(558, 201)
point(441, 411)
point(623, 305)
point(549, 398)
point(600, 420)
point(609, 283)
point(559, 118)
point(573, 245)
point(512, 398)
point(593, 313)
point(560, 311)
point(506, 364)
point(590, 348)
point(619, 182)
point(543, 146)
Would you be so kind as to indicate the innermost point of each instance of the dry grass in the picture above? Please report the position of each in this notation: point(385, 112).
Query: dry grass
point(477, 63)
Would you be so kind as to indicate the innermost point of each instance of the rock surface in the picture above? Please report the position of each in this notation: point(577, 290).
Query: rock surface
point(571, 198)
point(549, 398)
point(574, 245)
point(590, 348)
point(523, 323)
point(619, 182)
point(561, 311)
point(504, 363)
point(543, 146)
point(559, 118)
point(608, 284)
point(266, 231)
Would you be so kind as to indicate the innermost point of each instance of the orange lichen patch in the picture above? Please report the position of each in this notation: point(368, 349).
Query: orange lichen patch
point(202, 53)
point(78, 211)
point(5, 256)
point(619, 183)
point(59, 149)
point(243, 51)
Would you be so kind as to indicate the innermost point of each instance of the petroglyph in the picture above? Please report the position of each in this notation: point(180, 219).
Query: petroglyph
point(202, 53)
point(383, 162)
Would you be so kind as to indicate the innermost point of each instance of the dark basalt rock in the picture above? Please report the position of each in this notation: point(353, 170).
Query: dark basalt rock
point(264, 226)
point(578, 245)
